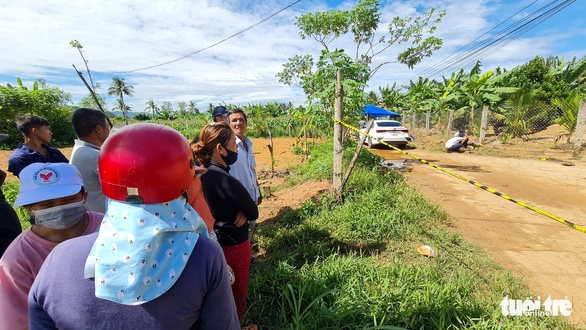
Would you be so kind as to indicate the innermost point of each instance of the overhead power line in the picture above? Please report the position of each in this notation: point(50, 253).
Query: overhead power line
point(455, 53)
point(217, 43)
point(465, 58)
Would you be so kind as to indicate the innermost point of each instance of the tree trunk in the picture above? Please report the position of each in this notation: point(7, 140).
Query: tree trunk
point(579, 134)
point(483, 124)
point(450, 120)
point(427, 118)
point(338, 145)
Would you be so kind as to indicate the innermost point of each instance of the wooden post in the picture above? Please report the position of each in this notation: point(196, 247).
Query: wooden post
point(579, 134)
point(414, 119)
point(450, 120)
point(93, 94)
point(427, 117)
point(483, 124)
point(355, 158)
point(338, 145)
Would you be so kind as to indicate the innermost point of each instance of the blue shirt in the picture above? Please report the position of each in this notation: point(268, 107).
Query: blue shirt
point(243, 168)
point(23, 156)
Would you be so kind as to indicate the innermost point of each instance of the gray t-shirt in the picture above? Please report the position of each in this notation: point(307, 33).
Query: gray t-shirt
point(84, 156)
point(200, 299)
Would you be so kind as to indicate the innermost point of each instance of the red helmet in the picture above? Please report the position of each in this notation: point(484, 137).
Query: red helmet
point(146, 163)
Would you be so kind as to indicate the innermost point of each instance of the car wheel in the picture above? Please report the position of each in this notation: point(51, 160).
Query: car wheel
point(402, 146)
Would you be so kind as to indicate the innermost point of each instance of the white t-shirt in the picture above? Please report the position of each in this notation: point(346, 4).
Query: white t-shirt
point(452, 141)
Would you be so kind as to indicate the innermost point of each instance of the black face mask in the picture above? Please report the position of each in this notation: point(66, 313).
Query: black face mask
point(230, 158)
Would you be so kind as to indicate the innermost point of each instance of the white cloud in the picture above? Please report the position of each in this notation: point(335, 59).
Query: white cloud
point(122, 36)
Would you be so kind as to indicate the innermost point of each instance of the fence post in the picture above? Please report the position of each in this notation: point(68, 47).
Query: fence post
point(338, 145)
point(449, 128)
point(483, 124)
point(579, 134)
point(413, 125)
point(427, 117)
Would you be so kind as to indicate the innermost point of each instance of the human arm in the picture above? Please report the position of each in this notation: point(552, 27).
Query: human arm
point(14, 287)
point(240, 219)
point(239, 196)
point(16, 164)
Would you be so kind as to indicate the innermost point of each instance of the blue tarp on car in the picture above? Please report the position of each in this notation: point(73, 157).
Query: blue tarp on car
point(372, 111)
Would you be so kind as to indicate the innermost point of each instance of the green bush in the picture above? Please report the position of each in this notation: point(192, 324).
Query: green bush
point(10, 189)
point(141, 117)
point(49, 103)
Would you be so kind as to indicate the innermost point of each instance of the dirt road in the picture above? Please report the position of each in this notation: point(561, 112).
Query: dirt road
point(546, 254)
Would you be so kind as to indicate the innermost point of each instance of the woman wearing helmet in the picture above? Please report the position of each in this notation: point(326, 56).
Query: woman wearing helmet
point(227, 198)
point(151, 265)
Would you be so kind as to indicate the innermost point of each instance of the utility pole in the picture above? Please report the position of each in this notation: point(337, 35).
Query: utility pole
point(338, 145)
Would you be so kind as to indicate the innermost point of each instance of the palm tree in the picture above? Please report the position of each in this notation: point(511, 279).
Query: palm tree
point(124, 108)
point(152, 107)
point(120, 88)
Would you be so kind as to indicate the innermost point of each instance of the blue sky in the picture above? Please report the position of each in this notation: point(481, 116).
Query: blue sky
point(120, 35)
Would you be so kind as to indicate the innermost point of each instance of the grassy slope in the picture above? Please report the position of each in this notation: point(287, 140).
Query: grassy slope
point(354, 264)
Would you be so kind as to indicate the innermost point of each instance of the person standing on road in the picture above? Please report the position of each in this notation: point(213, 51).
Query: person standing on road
point(244, 167)
point(227, 199)
point(92, 129)
point(37, 133)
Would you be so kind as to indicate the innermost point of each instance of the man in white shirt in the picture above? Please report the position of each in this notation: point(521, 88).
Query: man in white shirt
point(244, 167)
point(92, 129)
point(456, 143)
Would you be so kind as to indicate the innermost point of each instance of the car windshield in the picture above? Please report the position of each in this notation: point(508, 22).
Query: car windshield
point(388, 124)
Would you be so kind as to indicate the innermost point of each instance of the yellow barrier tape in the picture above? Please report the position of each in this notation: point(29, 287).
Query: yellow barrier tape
point(532, 208)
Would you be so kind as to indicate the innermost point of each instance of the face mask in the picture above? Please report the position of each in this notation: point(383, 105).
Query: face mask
point(60, 217)
point(230, 158)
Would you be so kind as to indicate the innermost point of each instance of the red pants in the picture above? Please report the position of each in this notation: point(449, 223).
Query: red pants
point(238, 258)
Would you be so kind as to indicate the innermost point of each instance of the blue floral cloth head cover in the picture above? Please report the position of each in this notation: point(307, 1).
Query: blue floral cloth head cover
point(142, 249)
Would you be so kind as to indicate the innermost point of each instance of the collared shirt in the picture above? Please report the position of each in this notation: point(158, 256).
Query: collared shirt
point(23, 156)
point(243, 168)
point(84, 156)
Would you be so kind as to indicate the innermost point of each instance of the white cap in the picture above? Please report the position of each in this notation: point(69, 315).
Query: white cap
point(44, 181)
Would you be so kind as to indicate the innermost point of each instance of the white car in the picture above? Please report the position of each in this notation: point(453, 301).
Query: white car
point(388, 131)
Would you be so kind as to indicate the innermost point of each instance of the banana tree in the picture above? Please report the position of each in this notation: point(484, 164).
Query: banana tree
point(480, 90)
point(569, 118)
point(307, 116)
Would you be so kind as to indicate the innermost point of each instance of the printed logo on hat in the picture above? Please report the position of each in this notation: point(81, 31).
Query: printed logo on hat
point(45, 176)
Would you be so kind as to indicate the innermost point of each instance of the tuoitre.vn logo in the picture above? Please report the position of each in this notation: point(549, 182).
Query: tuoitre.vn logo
point(528, 307)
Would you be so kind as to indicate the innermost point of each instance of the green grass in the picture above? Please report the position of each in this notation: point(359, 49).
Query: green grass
point(353, 264)
point(10, 189)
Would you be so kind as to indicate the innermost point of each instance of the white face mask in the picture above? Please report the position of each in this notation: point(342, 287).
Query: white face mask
point(61, 216)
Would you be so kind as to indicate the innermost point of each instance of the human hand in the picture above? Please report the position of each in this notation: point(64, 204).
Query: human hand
point(259, 200)
point(240, 219)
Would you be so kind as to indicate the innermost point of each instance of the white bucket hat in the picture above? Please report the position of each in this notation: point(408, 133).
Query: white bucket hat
point(44, 181)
